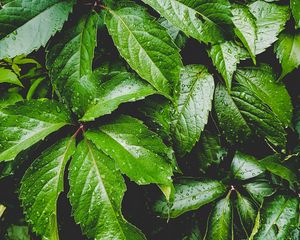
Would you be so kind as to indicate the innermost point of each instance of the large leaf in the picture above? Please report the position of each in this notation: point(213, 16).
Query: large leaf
point(287, 50)
point(220, 221)
point(202, 20)
point(28, 25)
point(225, 57)
point(245, 28)
point(69, 60)
point(262, 82)
point(270, 21)
point(27, 122)
point(121, 88)
point(241, 111)
point(96, 192)
point(279, 216)
point(259, 190)
point(8, 76)
point(295, 6)
point(41, 186)
point(136, 34)
point(139, 153)
point(190, 195)
point(244, 166)
point(193, 103)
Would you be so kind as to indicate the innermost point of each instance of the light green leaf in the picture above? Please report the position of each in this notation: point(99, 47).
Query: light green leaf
point(262, 82)
point(193, 103)
point(279, 216)
point(225, 57)
point(287, 50)
point(20, 20)
point(96, 192)
point(245, 28)
point(190, 195)
point(246, 212)
point(136, 34)
point(202, 20)
point(69, 61)
point(295, 6)
point(138, 152)
point(244, 166)
point(8, 76)
point(241, 111)
point(16, 232)
point(121, 88)
point(270, 21)
point(220, 221)
point(27, 122)
point(41, 186)
point(259, 190)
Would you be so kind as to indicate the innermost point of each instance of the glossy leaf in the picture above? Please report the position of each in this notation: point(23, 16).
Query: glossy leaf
point(123, 87)
point(138, 152)
point(69, 61)
point(41, 186)
point(20, 20)
point(136, 34)
point(28, 122)
point(193, 103)
point(259, 190)
point(270, 21)
point(295, 6)
point(190, 195)
point(287, 50)
point(279, 216)
point(262, 82)
point(96, 192)
point(8, 76)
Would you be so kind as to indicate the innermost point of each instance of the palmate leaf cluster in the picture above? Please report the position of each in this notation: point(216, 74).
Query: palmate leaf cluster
point(111, 105)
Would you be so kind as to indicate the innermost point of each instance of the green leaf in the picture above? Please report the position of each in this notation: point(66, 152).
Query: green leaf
point(41, 186)
point(96, 192)
point(241, 111)
point(244, 166)
point(259, 190)
point(69, 61)
point(121, 88)
point(246, 212)
point(9, 97)
point(190, 195)
point(202, 20)
point(279, 216)
point(15, 232)
point(20, 20)
point(220, 221)
point(245, 28)
point(262, 82)
point(193, 103)
point(270, 21)
point(136, 34)
point(225, 57)
point(8, 76)
point(273, 165)
point(139, 153)
point(295, 6)
point(287, 50)
point(28, 122)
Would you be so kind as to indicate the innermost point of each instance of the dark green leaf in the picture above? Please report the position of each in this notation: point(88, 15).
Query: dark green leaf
point(15, 232)
point(9, 98)
point(259, 190)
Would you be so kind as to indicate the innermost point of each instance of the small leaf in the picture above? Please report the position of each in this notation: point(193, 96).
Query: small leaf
point(20, 20)
point(259, 190)
point(270, 21)
point(8, 76)
point(136, 34)
point(16, 232)
point(244, 166)
point(96, 192)
point(42, 185)
point(193, 103)
point(225, 57)
point(279, 216)
point(287, 50)
point(190, 195)
point(262, 82)
point(28, 122)
point(10, 97)
point(139, 153)
point(295, 6)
